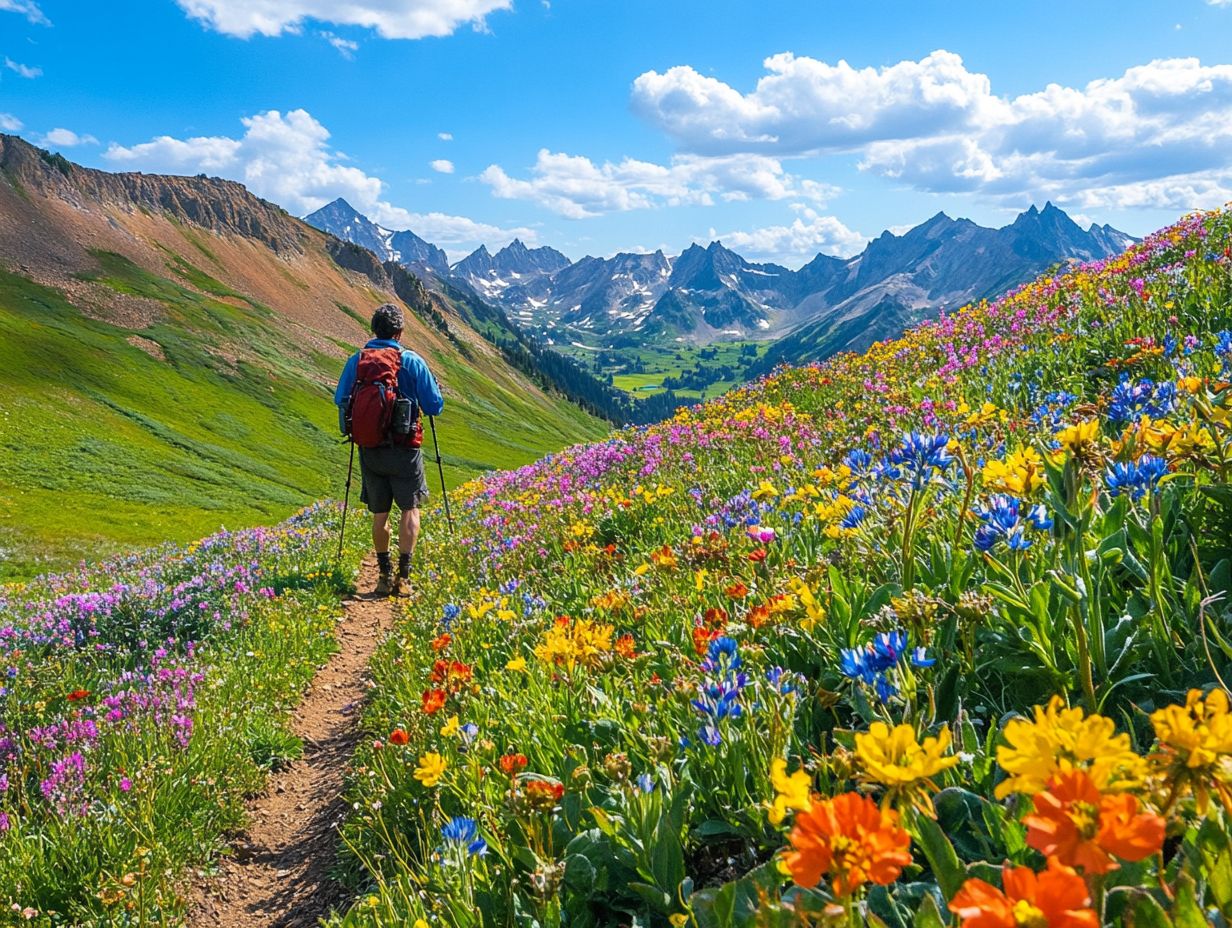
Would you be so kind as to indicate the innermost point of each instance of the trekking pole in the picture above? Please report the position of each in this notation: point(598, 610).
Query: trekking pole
point(346, 499)
point(440, 469)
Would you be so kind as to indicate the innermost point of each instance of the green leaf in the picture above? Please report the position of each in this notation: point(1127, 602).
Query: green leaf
point(579, 874)
point(928, 915)
point(1186, 912)
point(653, 896)
point(1216, 851)
point(1145, 912)
point(941, 856)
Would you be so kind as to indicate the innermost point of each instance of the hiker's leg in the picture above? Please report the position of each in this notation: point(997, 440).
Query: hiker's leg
point(408, 531)
point(380, 532)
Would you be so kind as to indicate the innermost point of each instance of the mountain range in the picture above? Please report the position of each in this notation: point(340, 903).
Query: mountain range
point(711, 293)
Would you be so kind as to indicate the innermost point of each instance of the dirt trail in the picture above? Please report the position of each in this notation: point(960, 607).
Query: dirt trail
point(279, 874)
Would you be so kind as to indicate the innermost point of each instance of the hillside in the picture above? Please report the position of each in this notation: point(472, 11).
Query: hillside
point(920, 604)
point(168, 347)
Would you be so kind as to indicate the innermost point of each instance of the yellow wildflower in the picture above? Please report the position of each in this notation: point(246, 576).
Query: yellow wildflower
point(571, 643)
point(1080, 436)
point(765, 490)
point(814, 612)
point(905, 766)
point(1058, 740)
point(1022, 473)
point(450, 728)
point(665, 557)
point(793, 791)
point(430, 770)
point(517, 665)
point(1196, 739)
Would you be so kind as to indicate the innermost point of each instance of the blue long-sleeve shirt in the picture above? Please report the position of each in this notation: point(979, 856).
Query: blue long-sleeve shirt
point(415, 381)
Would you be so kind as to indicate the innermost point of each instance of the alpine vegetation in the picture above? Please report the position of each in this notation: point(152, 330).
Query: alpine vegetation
point(935, 634)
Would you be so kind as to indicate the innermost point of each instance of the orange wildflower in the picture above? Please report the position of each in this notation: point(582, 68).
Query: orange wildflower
point(512, 763)
point(441, 642)
point(702, 638)
point(759, 615)
point(737, 590)
point(399, 737)
point(1054, 898)
point(624, 647)
point(452, 673)
point(1081, 827)
point(849, 838)
point(757, 555)
point(77, 695)
point(433, 701)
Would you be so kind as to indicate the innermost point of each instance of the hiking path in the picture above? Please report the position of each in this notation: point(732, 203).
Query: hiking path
point(278, 875)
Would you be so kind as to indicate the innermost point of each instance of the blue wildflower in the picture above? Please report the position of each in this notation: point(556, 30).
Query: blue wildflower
point(1135, 478)
point(1131, 401)
point(854, 517)
point(646, 783)
point(461, 831)
point(920, 455)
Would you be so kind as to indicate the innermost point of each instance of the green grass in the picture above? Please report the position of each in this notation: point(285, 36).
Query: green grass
point(659, 362)
point(104, 447)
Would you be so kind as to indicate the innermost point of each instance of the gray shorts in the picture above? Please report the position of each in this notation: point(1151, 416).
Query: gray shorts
point(392, 475)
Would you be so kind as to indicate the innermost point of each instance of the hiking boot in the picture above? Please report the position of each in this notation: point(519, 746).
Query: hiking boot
point(383, 586)
point(401, 587)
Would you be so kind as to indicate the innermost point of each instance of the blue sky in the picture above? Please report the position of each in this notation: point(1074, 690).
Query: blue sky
point(604, 126)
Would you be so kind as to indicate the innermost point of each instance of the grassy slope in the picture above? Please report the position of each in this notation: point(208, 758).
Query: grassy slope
point(104, 446)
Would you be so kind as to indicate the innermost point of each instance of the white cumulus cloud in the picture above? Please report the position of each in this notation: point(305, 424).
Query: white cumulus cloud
point(936, 126)
point(445, 136)
point(797, 242)
point(442, 166)
point(10, 123)
point(22, 70)
point(804, 105)
point(27, 8)
point(392, 19)
point(284, 157)
point(67, 138)
point(576, 187)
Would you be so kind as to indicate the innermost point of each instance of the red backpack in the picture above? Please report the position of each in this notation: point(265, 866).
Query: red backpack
point(372, 401)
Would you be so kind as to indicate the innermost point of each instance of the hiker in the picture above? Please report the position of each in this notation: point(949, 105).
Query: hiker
point(381, 395)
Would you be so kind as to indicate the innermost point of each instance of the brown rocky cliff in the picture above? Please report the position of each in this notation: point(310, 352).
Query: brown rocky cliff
point(210, 202)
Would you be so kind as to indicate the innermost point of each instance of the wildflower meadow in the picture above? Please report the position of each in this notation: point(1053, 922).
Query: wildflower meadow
point(142, 701)
point(937, 634)
point(934, 635)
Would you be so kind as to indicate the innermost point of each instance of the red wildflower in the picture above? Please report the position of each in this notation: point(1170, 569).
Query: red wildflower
point(77, 695)
point(715, 616)
point(399, 737)
point(441, 642)
point(757, 555)
point(433, 701)
point(737, 590)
